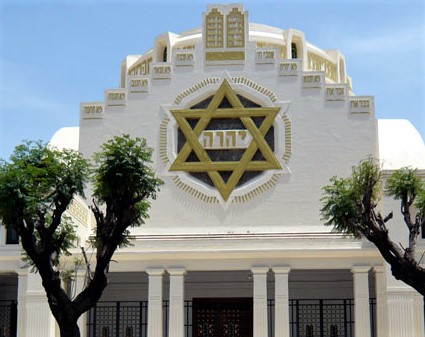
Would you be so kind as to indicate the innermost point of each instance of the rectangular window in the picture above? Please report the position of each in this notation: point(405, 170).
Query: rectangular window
point(12, 237)
point(294, 53)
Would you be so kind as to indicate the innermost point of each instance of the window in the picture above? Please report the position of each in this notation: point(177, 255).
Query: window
point(294, 50)
point(164, 55)
point(12, 237)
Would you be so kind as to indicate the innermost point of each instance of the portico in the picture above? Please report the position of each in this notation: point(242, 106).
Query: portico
point(202, 309)
point(283, 299)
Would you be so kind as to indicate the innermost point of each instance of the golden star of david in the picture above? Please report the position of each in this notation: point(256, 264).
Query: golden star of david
point(212, 168)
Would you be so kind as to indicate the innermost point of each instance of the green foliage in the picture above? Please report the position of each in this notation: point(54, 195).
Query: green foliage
point(345, 198)
point(339, 205)
point(404, 184)
point(39, 182)
point(65, 230)
point(420, 204)
point(36, 186)
point(348, 203)
point(124, 177)
point(37, 178)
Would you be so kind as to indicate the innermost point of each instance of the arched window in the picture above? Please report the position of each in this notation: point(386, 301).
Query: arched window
point(164, 55)
point(294, 50)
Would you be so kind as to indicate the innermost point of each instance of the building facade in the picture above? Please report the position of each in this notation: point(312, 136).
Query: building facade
point(248, 122)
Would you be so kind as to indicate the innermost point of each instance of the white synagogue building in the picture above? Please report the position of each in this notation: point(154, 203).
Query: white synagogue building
point(248, 122)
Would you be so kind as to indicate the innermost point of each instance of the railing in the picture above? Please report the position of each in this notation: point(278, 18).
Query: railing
point(322, 318)
point(118, 319)
point(307, 318)
point(8, 318)
point(333, 318)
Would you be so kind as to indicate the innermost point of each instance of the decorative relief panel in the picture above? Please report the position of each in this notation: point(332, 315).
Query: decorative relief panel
point(265, 56)
point(281, 48)
point(235, 24)
point(223, 145)
point(313, 81)
point(225, 33)
point(290, 68)
point(79, 211)
point(225, 56)
point(214, 30)
point(138, 84)
point(116, 97)
point(161, 71)
point(336, 92)
point(184, 58)
point(92, 110)
point(361, 104)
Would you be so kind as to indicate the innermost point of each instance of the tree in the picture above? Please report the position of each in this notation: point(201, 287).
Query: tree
point(36, 187)
point(349, 205)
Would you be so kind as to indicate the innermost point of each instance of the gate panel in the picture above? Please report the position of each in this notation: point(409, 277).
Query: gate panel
point(222, 317)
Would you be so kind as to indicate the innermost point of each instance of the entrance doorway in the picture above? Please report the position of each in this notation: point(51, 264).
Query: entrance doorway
point(222, 317)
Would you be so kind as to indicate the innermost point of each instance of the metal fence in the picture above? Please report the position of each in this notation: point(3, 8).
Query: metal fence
point(110, 319)
point(8, 318)
point(308, 318)
point(129, 319)
point(322, 318)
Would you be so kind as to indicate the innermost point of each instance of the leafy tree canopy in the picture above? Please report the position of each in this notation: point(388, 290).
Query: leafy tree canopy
point(37, 185)
point(349, 205)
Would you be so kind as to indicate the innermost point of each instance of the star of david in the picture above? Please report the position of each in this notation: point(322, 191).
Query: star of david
point(246, 162)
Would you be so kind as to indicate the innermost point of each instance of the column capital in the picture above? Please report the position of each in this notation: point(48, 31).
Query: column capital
point(260, 270)
point(281, 269)
point(22, 271)
point(176, 271)
point(360, 269)
point(378, 269)
point(155, 271)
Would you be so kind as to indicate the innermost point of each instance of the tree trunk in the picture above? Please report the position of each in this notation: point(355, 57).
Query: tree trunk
point(69, 329)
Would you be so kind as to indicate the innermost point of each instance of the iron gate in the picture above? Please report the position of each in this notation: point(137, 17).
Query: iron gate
point(8, 318)
point(308, 318)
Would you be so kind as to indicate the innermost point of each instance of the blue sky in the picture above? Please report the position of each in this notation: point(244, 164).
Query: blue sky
point(56, 54)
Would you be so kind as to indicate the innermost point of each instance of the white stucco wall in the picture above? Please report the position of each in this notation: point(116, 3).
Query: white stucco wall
point(326, 140)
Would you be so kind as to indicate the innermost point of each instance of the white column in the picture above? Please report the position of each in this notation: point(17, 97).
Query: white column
point(34, 316)
point(361, 301)
point(401, 313)
point(418, 307)
point(22, 302)
point(77, 287)
point(381, 302)
point(155, 322)
point(260, 301)
point(281, 302)
point(176, 313)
